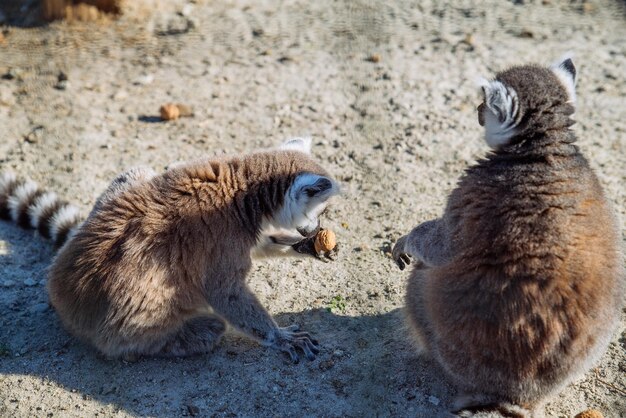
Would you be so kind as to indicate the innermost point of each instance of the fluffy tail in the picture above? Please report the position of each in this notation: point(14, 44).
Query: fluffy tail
point(495, 410)
point(23, 202)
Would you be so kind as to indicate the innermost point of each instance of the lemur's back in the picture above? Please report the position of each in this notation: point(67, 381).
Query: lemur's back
point(519, 285)
point(537, 290)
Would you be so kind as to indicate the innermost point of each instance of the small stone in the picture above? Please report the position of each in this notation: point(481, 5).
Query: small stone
point(193, 410)
point(187, 10)
point(34, 135)
point(587, 7)
point(12, 74)
point(144, 80)
point(338, 353)
point(30, 282)
point(62, 85)
point(375, 58)
point(526, 33)
point(8, 283)
point(107, 390)
point(434, 400)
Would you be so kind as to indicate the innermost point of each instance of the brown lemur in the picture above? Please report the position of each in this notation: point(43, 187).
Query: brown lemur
point(159, 266)
point(518, 287)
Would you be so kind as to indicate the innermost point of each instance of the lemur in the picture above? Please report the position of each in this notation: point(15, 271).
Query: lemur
point(518, 287)
point(159, 266)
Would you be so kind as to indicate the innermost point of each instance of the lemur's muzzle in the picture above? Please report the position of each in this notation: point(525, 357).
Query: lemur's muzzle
point(308, 231)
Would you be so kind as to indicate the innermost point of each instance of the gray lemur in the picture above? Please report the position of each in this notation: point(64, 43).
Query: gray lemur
point(159, 266)
point(518, 287)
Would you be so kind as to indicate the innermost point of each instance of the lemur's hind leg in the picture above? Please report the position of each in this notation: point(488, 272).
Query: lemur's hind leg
point(123, 182)
point(198, 335)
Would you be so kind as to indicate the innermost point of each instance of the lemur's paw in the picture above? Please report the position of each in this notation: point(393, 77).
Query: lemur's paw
point(398, 253)
point(290, 340)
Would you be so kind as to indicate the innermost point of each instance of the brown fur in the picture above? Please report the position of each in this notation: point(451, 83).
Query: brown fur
point(519, 285)
point(159, 266)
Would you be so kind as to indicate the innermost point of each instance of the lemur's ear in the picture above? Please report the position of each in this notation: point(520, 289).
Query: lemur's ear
point(566, 72)
point(500, 100)
point(302, 144)
point(498, 113)
point(321, 185)
point(313, 185)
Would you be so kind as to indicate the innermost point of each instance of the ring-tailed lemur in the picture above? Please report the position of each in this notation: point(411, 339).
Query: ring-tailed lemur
point(159, 265)
point(519, 286)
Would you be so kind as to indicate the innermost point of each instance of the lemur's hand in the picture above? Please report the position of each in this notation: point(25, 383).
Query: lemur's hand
point(289, 339)
point(399, 254)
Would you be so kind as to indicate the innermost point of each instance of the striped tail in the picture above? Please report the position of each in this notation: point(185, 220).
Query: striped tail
point(23, 202)
point(495, 410)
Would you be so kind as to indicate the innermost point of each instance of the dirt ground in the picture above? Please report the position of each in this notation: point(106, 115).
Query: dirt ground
point(387, 91)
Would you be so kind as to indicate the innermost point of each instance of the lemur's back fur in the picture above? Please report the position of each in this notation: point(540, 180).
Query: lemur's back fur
point(25, 203)
point(520, 284)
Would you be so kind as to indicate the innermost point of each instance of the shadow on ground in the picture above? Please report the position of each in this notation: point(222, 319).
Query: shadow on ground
point(364, 363)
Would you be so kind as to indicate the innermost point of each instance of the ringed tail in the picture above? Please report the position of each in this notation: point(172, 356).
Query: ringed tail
point(493, 410)
point(25, 203)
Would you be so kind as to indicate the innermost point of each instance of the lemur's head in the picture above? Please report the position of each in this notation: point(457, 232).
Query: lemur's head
point(308, 193)
point(527, 100)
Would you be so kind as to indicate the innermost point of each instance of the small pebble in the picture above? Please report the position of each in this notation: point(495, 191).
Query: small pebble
point(8, 283)
point(144, 80)
point(434, 400)
point(62, 85)
point(375, 58)
point(193, 410)
point(30, 282)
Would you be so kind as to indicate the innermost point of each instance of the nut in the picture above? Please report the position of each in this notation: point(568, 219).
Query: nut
point(169, 111)
point(325, 241)
point(590, 413)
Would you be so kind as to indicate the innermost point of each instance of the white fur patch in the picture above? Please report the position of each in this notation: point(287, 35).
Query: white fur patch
point(565, 77)
point(67, 215)
point(300, 210)
point(20, 195)
point(6, 179)
point(302, 144)
point(42, 203)
point(266, 247)
point(501, 107)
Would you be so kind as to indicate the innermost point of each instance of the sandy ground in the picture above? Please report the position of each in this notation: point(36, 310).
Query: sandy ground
point(397, 133)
